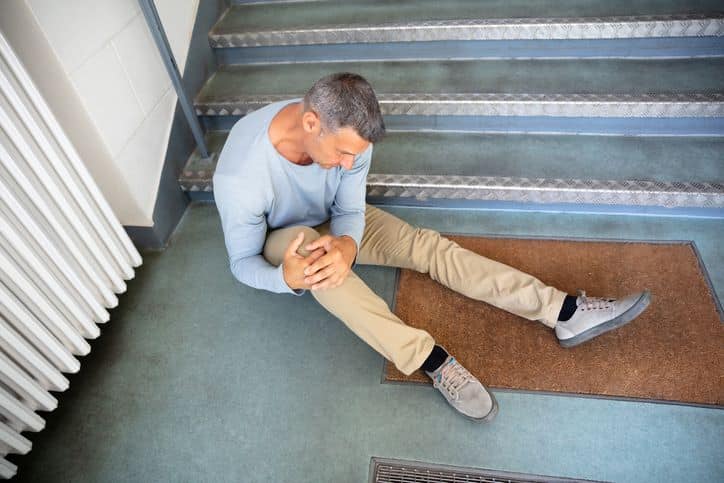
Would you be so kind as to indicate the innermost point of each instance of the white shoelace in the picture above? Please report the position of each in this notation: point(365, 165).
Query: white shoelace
point(594, 303)
point(452, 378)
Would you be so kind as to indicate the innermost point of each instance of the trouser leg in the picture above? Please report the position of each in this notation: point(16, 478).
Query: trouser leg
point(390, 241)
point(364, 312)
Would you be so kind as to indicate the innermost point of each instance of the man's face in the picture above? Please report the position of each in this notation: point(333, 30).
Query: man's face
point(331, 149)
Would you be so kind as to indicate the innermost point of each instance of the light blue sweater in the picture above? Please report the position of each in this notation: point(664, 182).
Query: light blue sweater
point(257, 189)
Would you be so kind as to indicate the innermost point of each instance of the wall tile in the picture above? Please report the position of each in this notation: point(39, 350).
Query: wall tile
point(77, 29)
point(106, 93)
point(139, 160)
point(142, 61)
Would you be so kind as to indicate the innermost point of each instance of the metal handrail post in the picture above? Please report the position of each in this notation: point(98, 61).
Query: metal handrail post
point(159, 36)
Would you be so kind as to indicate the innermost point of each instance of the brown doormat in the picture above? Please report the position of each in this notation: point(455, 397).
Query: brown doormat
point(674, 351)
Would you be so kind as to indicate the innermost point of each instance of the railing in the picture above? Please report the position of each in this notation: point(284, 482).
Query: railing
point(159, 36)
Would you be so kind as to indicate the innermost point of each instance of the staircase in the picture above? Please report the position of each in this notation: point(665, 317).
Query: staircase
point(561, 105)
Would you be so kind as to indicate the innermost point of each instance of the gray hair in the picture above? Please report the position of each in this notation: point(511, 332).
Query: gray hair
point(343, 100)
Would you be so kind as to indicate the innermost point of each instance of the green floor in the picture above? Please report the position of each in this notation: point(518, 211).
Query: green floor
point(198, 378)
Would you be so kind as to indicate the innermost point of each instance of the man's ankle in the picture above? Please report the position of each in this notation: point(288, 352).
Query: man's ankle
point(435, 359)
point(568, 309)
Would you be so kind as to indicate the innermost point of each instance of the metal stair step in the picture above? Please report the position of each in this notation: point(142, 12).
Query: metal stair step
point(532, 87)
point(427, 20)
point(416, 168)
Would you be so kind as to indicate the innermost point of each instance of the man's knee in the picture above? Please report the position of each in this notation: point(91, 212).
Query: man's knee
point(310, 234)
point(427, 246)
point(278, 241)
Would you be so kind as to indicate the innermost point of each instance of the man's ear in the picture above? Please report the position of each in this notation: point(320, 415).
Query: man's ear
point(310, 122)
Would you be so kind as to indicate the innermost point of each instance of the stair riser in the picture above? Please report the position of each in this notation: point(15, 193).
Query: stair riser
point(490, 49)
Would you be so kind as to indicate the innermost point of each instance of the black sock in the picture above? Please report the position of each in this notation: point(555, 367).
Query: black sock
point(569, 306)
point(435, 359)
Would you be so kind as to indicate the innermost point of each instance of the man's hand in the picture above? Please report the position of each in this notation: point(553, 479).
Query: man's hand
point(330, 270)
point(294, 264)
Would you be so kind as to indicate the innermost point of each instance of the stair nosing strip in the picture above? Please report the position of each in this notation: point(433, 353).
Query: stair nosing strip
point(606, 192)
point(573, 184)
point(540, 190)
point(498, 104)
point(639, 26)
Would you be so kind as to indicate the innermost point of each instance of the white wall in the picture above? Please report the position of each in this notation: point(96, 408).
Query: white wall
point(106, 52)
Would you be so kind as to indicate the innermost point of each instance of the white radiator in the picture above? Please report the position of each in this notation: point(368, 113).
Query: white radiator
point(63, 258)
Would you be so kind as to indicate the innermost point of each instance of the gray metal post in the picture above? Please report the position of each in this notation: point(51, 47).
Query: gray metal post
point(159, 35)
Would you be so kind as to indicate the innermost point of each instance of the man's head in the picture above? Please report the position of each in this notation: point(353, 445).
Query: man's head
point(341, 118)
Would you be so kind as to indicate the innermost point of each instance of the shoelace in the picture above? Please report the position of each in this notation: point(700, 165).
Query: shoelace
point(452, 378)
point(594, 303)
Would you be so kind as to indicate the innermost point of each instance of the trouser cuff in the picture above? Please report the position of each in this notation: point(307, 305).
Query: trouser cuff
point(419, 359)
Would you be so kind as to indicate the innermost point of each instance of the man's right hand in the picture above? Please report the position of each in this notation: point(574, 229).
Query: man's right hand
point(294, 264)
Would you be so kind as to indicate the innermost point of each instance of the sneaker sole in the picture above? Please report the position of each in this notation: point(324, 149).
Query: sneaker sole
point(623, 319)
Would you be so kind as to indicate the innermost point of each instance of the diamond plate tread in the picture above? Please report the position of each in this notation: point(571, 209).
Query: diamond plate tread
point(198, 174)
point(524, 190)
point(555, 105)
point(481, 29)
point(541, 190)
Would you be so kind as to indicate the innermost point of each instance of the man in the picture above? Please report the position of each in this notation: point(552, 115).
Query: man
point(290, 189)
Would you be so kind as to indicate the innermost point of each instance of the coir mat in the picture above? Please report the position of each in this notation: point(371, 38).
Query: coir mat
point(673, 352)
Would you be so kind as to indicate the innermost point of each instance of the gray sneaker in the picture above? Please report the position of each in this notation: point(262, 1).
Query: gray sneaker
point(463, 391)
point(595, 316)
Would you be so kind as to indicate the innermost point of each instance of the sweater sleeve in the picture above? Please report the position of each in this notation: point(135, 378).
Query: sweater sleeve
point(243, 219)
point(348, 208)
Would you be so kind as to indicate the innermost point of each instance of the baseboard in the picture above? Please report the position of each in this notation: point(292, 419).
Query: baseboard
point(145, 237)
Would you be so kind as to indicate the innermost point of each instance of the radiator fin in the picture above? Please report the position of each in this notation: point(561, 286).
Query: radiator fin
point(64, 257)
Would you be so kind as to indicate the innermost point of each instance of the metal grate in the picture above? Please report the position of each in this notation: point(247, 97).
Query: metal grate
point(399, 471)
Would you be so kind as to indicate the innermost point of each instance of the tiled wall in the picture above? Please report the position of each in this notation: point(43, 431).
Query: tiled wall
point(107, 52)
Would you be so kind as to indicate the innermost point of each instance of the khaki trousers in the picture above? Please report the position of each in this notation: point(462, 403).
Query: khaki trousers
point(391, 242)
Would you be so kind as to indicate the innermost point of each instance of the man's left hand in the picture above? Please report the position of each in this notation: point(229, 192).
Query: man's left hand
point(332, 269)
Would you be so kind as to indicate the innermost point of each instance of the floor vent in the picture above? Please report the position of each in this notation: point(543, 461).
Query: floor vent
point(400, 471)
